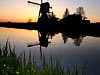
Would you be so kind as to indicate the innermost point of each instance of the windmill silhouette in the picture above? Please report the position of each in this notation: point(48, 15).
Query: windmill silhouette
point(44, 10)
point(44, 16)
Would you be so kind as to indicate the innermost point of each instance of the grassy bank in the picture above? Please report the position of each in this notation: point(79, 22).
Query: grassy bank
point(11, 64)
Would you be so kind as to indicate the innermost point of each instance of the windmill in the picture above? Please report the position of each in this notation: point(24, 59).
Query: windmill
point(44, 11)
point(43, 17)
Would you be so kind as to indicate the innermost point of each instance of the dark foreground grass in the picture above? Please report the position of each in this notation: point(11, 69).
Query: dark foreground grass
point(11, 64)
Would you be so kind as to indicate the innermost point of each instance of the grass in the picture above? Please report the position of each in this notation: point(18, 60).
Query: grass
point(11, 64)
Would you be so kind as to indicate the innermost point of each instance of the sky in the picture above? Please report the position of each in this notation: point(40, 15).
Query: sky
point(21, 11)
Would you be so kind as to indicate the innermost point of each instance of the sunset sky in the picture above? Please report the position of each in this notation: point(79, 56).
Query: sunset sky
point(21, 11)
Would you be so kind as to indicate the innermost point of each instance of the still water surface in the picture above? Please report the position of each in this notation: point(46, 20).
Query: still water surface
point(71, 50)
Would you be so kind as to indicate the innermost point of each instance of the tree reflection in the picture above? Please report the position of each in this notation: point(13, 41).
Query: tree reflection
point(77, 38)
point(65, 38)
point(78, 41)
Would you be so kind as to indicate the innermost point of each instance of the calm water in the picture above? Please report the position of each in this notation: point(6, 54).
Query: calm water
point(73, 50)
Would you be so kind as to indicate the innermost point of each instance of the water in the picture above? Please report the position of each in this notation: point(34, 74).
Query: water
point(72, 50)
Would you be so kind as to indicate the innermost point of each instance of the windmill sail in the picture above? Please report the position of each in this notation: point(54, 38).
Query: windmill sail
point(33, 3)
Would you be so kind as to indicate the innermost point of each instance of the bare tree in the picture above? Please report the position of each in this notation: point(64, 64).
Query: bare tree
point(80, 10)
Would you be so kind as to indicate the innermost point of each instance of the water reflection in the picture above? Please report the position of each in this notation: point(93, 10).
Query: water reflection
point(65, 38)
point(43, 41)
point(76, 38)
point(44, 37)
point(74, 47)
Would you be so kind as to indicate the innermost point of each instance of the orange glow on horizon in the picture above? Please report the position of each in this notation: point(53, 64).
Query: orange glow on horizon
point(34, 19)
point(9, 32)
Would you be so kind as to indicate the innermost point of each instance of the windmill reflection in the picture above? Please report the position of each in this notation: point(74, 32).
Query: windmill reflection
point(43, 41)
point(43, 38)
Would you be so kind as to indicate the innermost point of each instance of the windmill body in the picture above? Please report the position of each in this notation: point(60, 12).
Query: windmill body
point(44, 8)
point(44, 11)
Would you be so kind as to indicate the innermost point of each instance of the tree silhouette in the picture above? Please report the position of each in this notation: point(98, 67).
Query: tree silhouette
point(80, 10)
point(66, 13)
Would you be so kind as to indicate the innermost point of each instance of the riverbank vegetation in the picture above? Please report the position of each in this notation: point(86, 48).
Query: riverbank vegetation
point(12, 64)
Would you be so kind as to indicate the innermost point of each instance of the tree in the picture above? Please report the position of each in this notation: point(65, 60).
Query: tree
point(66, 13)
point(80, 10)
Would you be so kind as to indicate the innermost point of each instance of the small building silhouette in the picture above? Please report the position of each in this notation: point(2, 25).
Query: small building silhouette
point(74, 19)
